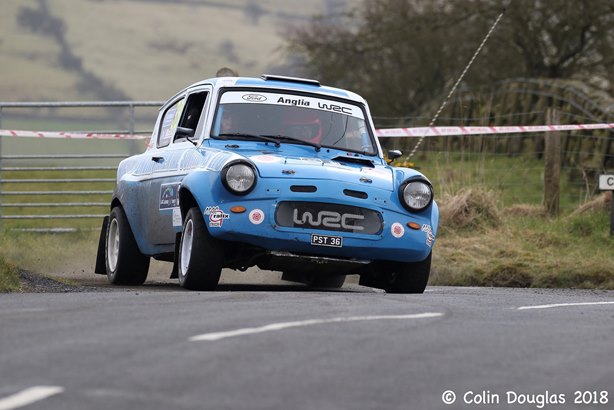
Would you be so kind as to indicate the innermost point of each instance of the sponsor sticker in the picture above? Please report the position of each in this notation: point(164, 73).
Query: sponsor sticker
point(216, 216)
point(430, 238)
point(177, 217)
point(254, 97)
point(265, 158)
point(305, 101)
point(256, 216)
point(169, 195)
point(397, 230)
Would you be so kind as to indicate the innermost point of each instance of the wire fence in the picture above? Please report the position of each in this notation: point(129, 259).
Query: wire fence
point(66, 185)
point(512, 165)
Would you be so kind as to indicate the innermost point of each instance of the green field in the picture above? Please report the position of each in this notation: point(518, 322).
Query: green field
point(145, 50)
point(517, 180)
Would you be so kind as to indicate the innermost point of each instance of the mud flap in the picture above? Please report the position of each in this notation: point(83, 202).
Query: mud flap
point(175, 272)
point(101, 265)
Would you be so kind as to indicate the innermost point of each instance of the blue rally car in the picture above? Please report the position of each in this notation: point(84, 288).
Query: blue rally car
point(276, 172)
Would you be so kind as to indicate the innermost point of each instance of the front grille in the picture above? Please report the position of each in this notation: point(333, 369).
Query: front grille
point(328, 217)
point(356, 194)
point(303, 188)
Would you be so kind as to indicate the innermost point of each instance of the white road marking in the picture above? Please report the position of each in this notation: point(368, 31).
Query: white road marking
point(210, 337)
point(564, 305)
point(29, 396)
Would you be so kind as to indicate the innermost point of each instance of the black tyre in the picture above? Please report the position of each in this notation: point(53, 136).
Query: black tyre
point(330, 282)
point(200, 256)
point(410, 277)
point(125, 264)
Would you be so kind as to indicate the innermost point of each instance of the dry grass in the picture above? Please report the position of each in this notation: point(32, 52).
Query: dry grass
point(470, 208)
point(519, 247)
point(527, 210)
point(600, 203)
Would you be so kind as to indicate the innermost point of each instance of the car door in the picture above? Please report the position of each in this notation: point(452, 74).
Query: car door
point(174, 140)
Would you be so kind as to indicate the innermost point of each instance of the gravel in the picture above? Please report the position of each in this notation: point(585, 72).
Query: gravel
point(34, 283)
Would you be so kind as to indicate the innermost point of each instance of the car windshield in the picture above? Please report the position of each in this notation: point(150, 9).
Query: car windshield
point(288, 118)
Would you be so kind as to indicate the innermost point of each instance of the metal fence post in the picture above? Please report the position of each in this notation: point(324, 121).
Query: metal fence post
point(131, 110)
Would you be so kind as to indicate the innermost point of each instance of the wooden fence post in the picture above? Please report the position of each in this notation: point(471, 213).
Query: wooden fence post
point(552, 164)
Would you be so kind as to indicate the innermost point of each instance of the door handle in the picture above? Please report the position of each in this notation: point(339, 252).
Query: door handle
point(159, 160)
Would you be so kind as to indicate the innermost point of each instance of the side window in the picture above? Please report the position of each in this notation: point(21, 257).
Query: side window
point(170, 123)
point(193, 111)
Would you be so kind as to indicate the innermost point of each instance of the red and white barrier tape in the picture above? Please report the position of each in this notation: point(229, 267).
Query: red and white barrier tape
point(382, 132)
point(70, 135)
point(450, 131)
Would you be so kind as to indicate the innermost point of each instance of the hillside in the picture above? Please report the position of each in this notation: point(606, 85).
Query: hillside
point(139, 49)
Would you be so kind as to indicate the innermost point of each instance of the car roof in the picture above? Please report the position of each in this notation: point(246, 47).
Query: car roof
point(277, 82)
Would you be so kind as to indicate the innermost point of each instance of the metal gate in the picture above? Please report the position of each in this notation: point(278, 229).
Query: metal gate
point(50, 185)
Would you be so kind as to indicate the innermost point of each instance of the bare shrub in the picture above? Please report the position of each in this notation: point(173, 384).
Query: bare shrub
point(472, 208)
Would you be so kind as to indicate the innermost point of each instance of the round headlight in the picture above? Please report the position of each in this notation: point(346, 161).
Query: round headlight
point(239, 178)
point(416, 195)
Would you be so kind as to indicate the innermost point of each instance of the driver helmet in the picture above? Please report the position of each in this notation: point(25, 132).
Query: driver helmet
point(304, 124)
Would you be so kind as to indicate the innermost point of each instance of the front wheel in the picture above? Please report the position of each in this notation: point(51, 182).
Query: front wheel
point(125, 264)
point(200, 256)
point(410, 277)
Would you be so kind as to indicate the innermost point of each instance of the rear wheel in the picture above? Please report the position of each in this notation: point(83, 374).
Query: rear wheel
point(125, 264)
point(410, 277)
point(200, 256)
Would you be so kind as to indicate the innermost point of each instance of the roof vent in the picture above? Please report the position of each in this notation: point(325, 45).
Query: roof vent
point(271, 77)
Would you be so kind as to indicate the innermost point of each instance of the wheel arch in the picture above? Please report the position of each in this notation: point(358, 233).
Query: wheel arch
point(115, 202)
point(186, 202)
point(134, 225)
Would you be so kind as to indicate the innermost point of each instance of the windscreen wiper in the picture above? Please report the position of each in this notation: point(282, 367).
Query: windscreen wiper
point(297, 140)
point(257, 136)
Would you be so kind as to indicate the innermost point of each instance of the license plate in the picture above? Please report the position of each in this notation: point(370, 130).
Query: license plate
point(327, 240)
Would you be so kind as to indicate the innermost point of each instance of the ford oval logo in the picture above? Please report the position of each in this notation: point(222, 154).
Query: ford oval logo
point(254, 97)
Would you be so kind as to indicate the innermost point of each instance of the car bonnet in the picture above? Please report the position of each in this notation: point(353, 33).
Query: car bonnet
point(275, 166)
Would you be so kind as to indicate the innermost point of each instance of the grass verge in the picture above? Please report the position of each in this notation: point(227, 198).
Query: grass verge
point(9, 277)
point(480, 243)
point(521, 247)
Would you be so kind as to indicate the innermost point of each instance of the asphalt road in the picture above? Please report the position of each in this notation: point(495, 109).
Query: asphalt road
point(287, 347)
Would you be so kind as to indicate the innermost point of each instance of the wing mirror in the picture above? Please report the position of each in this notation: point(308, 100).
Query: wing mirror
point(394, 154)
point(183, 132)
point(186, 133)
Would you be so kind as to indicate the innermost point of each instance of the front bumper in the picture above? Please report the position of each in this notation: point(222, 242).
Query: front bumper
point(257, 226)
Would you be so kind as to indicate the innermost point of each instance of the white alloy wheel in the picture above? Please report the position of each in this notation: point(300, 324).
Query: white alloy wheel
point(186, 246)
point(113, 245)
point(125, 264)
point(200, 256)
